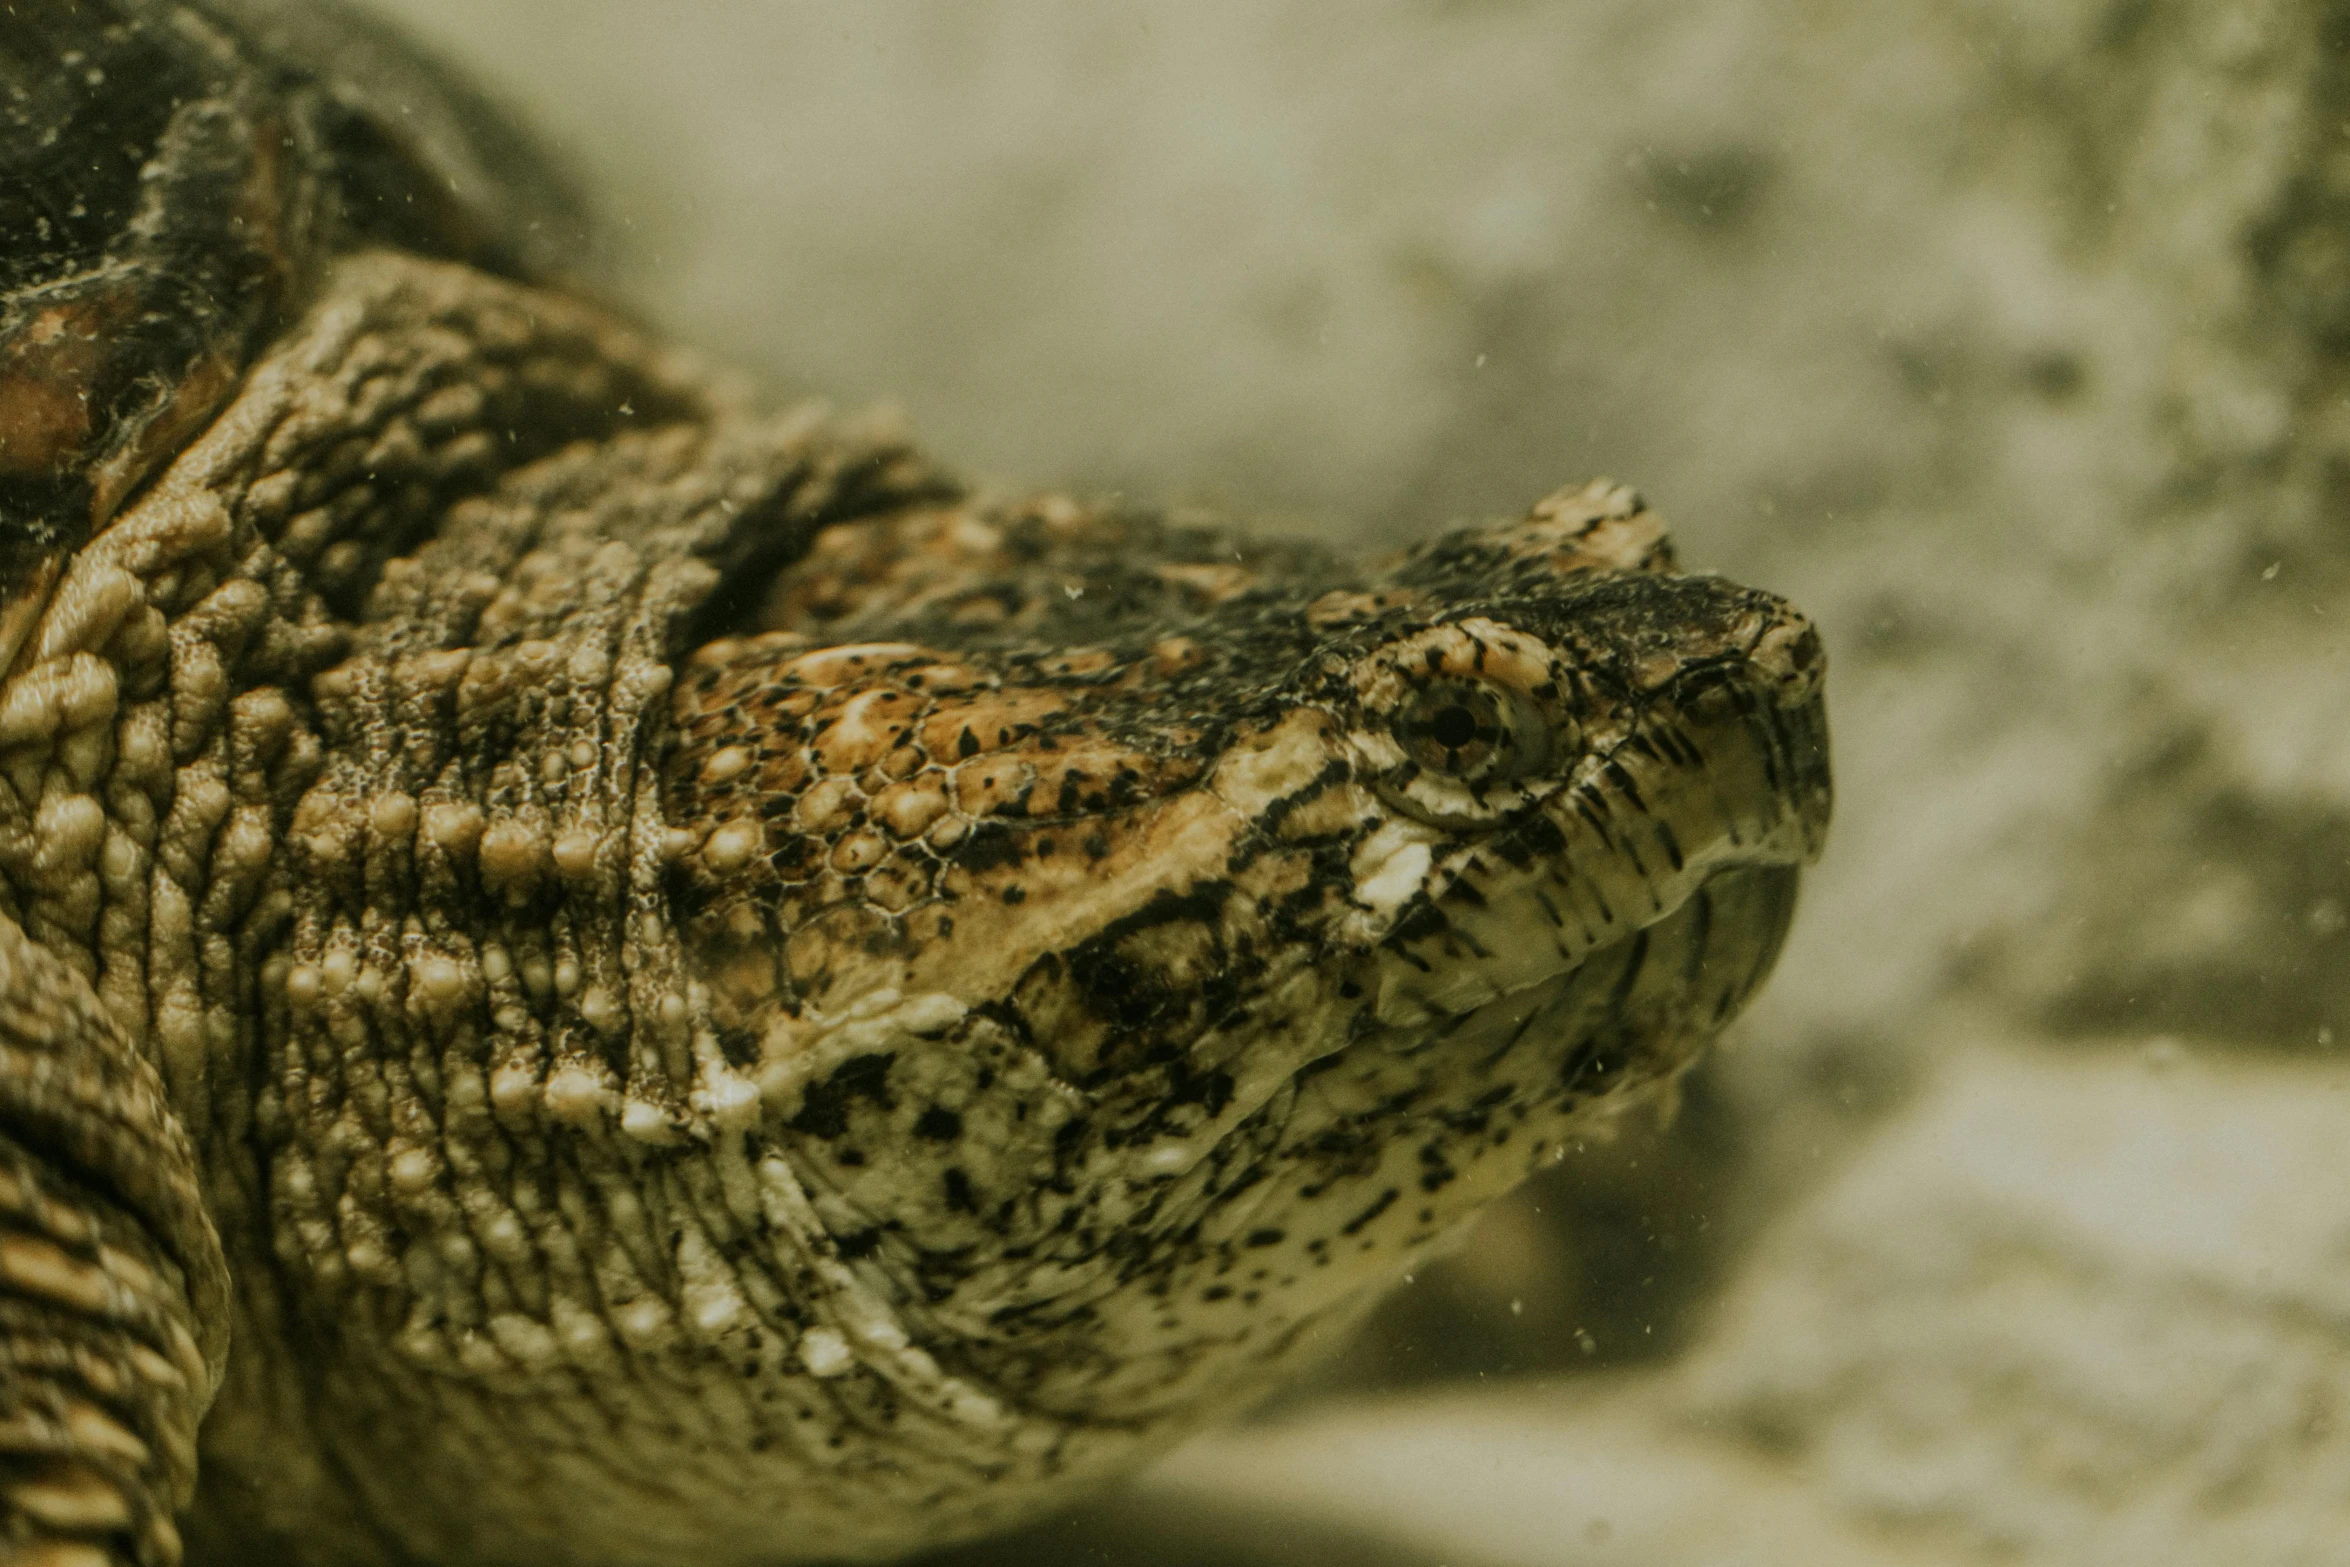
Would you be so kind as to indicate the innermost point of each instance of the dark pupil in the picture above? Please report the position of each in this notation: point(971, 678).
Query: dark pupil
point(1453, 727)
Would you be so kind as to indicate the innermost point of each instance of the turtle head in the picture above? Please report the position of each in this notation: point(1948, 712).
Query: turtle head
point(1120, 998)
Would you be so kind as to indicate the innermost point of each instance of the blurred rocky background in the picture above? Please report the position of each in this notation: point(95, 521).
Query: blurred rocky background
point(2010, 339)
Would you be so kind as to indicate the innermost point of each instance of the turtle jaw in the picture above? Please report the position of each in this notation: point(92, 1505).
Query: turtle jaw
point(1538, 978)
point(1633, 1010)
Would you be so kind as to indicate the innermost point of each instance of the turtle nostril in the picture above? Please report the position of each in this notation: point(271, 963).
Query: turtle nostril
point(1792, 655)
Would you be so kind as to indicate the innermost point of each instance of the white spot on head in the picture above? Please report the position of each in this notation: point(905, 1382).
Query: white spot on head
point(502, 1233)
point(575, 853)
point(726, 765)
point(441, 980)
point(882, 1334)
point(644, 1321)
point(645, 1121)
point(713, 1303)
point(926, 1014)
point(1389, 866)
point(574, 1094)
point(1168, 1159)
point(411, 1171)
point(511, 1087)
point(1275, 764)
point(524, 1340)
point(825, 1353)
point(717, 1311)
point(393, 816)
point(602, 1010)
point(731, 847)
point(970, 1406)
point(730, 1099)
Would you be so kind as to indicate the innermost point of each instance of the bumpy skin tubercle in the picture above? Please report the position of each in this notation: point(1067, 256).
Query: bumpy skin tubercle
point(591, 974)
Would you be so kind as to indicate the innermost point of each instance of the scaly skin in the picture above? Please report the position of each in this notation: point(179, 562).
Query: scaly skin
point(726, 1002)
point(592, 975)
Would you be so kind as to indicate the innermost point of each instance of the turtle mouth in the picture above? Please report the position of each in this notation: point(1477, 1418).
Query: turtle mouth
point(1631, 1010)
point(1659, 881)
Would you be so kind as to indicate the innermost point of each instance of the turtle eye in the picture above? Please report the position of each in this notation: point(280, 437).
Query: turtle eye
point(1478, 733)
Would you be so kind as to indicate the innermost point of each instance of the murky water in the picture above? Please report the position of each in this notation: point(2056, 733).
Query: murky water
point(2008, 341)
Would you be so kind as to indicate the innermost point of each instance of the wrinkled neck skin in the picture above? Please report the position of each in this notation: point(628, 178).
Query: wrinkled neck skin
point(641, 1138)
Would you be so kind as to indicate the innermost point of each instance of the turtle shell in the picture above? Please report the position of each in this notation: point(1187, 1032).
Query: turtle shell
point(173, 177)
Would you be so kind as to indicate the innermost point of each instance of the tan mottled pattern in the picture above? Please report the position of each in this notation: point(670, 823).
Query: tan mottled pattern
point(731, 1002)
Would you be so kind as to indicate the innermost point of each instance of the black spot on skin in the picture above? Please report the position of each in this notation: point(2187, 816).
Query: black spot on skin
point(793, 858)
point(1130, 994)
point(989, 848)
point(1423, 920)
point(1535, 838)
point(1615, 774)
point(1334, 772)
point(862, 1244)
point(1216, 1292)
point(1097, 847)
point(825, 1111)
point(1265, 1238)
point(939, 1125)
point(1385, 1201)
point(1211, 1090)
point(958, 1192)
point(1015, 895)
point(967, 744)
point(739, 1045)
